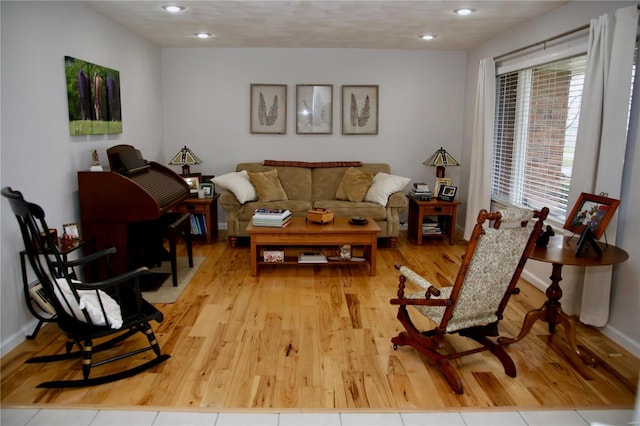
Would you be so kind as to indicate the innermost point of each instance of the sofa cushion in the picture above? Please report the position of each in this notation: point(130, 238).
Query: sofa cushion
point(383, 185)
point(296, 181)
point(268, 186)
point(354, 185)
point(237, 183)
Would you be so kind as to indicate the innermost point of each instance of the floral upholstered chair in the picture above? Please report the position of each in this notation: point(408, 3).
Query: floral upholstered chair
point(472, 307)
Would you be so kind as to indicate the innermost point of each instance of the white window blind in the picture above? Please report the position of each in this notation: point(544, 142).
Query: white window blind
point(537, 111)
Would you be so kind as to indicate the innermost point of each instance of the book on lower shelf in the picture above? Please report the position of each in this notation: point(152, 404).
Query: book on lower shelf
point(311, 257)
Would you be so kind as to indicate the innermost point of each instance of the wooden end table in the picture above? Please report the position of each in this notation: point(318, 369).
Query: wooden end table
point(208, 207)
point(561, 251)
point(446, 212)
point(308, 234)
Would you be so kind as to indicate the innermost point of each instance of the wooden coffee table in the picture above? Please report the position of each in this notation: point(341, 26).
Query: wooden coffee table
point(308, 234)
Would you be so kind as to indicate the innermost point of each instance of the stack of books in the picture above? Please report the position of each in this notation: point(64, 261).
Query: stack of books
point(430, 227)
point(271, 217)
point(421, 191)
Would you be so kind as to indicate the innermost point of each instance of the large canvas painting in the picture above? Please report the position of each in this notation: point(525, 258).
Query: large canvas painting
point(93, 94)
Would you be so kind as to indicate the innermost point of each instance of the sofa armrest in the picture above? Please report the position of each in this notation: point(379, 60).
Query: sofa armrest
point(397, 200)
point(228, 199)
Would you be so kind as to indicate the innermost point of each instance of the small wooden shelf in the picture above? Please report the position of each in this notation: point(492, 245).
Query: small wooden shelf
point(444, 211)
point(208, 209)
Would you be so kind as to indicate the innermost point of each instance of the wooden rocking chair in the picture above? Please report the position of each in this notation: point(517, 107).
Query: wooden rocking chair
point(487, 278)
point(112, 309)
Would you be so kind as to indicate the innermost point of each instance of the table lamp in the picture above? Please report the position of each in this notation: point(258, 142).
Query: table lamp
point(441, 159)
point(185, 158)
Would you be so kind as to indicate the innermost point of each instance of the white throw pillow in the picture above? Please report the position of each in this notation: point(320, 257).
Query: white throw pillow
point(384, 185)
point(89, 301)
point(239, 184)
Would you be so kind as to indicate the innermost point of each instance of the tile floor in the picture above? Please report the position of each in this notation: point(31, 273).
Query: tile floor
point(64, 417)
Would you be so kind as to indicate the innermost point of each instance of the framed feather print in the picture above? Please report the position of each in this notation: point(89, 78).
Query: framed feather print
point(268, 109)
point(314, 109)
point(360, 110)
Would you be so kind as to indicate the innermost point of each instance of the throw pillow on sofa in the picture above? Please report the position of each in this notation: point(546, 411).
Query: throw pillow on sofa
point(354, 185)
point(384, 185)
point(268, 186)
point(238, 184)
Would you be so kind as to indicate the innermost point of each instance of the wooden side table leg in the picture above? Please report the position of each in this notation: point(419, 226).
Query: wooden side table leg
point(529, 320)
point(569, 325)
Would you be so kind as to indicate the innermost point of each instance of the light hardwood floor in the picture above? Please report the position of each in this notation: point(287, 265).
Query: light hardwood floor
point(318, 338)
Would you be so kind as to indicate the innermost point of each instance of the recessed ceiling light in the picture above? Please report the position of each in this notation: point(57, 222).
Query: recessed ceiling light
point(203, 35)
point(428, 36)
point(173, 8)
point(464, 11)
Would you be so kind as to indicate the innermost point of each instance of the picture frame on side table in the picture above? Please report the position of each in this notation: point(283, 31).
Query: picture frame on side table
point(268, 109)
point(440, 182)
point(447, 193)
point(207, 187)
point(71, 229)
point(193, 180)
point(360, 110)
point(593, 212)
point(314, 109)
point(207, 179)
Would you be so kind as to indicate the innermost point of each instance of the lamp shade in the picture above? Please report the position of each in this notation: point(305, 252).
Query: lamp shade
point(185, 158)
point(441, 159)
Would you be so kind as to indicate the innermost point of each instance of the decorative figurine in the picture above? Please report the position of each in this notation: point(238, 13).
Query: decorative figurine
point(95, 162)
point(543, 238)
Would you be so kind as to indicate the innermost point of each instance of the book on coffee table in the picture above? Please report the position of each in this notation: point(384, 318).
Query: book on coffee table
point(312, 257)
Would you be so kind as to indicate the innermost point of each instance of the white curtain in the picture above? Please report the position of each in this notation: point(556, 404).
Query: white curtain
point(481, 145)
point(601, 140)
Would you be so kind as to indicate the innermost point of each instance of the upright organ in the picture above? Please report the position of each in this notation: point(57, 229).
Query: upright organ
point(123, 207)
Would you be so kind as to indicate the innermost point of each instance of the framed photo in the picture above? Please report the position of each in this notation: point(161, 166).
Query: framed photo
point(314, 109)
point(592, 211)
point(207, 178)
point(447, 193)
point(268, 109)
point(71, 229)
point(440, 182)
point(193, 180)
point(360, 110)
point(207, 187)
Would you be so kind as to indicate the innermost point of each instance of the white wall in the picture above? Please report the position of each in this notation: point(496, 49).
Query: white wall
point(206, 105)
point(39, 157)
point(625, 302)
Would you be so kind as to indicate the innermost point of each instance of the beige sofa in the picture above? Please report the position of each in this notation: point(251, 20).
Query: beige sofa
point(314, 185)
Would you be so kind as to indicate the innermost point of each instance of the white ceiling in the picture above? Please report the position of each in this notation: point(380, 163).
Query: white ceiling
point(367, 24)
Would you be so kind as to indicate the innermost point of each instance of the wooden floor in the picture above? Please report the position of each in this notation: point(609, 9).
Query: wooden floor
point(318, 338)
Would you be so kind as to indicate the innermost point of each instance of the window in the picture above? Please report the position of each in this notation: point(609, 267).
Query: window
point(537, 112)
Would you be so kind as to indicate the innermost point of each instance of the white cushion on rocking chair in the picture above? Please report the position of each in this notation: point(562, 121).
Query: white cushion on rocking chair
point(89, 300)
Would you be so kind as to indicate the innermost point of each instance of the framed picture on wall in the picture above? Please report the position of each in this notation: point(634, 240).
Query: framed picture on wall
point(360, 110)
point(268, 109)
point(93, 98)
point(314, 109)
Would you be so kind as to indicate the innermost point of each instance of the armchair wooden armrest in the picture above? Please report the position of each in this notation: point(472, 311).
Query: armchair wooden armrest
point(406, 273)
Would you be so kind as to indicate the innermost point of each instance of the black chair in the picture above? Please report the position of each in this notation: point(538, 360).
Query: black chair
point(112, 309)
